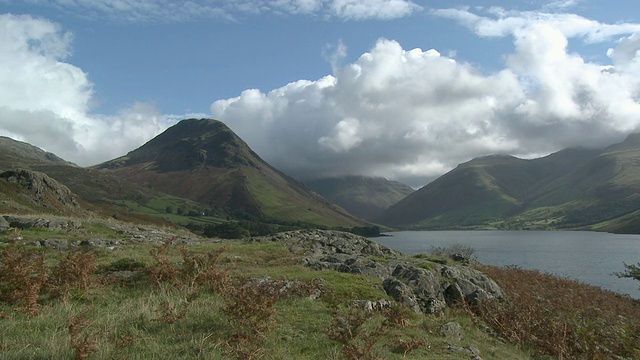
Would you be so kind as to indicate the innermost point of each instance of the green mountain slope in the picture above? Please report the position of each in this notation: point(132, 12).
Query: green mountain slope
point(95, 191)
point(505, 191)
point(365, 197)
point(204, 161)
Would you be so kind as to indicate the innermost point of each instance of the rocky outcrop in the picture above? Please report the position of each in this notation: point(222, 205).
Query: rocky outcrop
point(36, 222)
point(422, 285)
point(43, 191)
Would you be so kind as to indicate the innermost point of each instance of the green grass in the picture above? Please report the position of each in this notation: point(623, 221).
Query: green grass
point(125, 322)
point(277, 204)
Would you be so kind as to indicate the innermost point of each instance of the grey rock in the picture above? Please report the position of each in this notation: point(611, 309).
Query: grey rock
point(470, 352)
point(379, 305)
point(28, 222)
point(453, 295)
point(59, 244)
point(401, 293)
point(424, 282)
point(451, 330)
point(434, 306)
point(101, 243)
point(427, 288)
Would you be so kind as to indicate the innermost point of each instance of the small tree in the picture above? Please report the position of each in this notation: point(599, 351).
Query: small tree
point(631, 271)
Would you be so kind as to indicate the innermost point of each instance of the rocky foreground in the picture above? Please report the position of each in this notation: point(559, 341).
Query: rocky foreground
point(424, 283)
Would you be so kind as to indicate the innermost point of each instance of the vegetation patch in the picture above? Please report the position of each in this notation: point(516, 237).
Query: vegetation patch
point(562, 318)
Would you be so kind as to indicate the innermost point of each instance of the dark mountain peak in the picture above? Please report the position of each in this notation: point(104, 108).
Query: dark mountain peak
point(188, 145)
point(27, 152)
point(204, 161)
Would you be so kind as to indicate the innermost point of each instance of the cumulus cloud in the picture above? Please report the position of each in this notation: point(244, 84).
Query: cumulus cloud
point(45, 101)
point(160, 11)
point(411, 115)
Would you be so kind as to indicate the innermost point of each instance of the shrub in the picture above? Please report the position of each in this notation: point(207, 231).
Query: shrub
point(349, 328)
point(631, 271)
point(562, 318)
point(74, 272)
point(22, 276)
point(463, 250)
point(83, 342)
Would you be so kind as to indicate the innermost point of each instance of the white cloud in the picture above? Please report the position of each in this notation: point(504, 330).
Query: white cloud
point(372, 9)
point(160, 11)
point(45, 101)
point(501, 23)
point(412, 114)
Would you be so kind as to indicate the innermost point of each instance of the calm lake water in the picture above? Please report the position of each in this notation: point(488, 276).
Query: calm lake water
point(590, 257)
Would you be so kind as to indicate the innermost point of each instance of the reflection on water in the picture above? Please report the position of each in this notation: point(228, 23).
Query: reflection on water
point(590, 257)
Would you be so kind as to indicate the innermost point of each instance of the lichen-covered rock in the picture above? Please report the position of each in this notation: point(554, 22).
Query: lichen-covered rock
point(427, 287)
point(451, 330)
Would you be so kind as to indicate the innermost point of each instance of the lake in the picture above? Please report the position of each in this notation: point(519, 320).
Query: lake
point(589, 257)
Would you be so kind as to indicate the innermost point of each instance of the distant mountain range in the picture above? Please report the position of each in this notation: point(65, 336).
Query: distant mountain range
point(200, 171)
point(573, 188)
point(196, 171)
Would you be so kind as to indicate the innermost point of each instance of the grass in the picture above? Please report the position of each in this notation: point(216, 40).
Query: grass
point(82, 313)
point(278, 204)
point(225, 301)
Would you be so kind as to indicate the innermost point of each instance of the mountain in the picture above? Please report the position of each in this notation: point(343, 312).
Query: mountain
point(19, 153)
point(365, 197)
point(94, 191)
point(204, 161)
point(573, 188)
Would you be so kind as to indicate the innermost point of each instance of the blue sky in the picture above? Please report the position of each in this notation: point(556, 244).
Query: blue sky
point(395, 88)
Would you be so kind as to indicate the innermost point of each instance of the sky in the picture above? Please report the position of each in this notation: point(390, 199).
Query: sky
point(402, 89)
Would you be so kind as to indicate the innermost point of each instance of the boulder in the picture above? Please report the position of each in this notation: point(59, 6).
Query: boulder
point(451, 330)
point(401, 293)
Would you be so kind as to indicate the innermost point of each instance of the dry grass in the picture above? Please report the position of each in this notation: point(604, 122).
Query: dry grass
point(562, 318)
point(23, 275)
point(76, 272)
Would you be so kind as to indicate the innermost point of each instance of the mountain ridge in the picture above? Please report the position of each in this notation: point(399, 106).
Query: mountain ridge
point(572, 188)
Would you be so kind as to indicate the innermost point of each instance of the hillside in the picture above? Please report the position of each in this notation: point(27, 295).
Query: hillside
point(94, 191)
point(204, 161)
point(365, 197)
point(18, 153)
point(25, 191)
point(573, 188)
